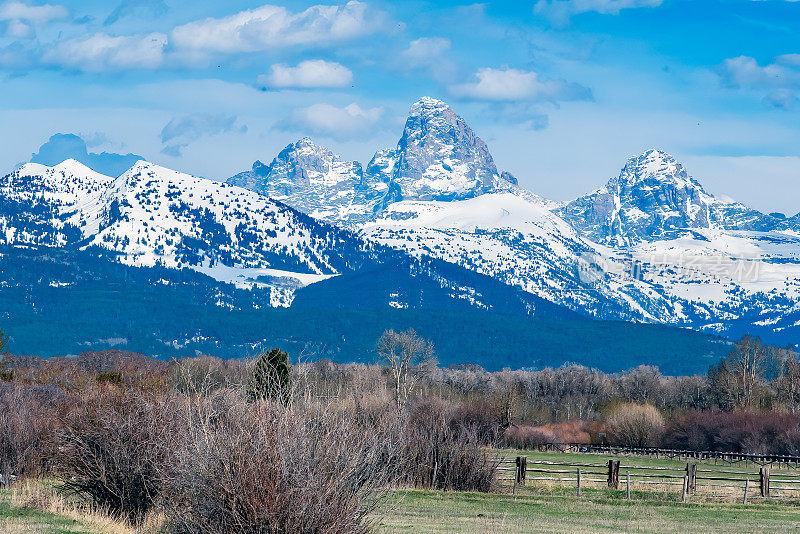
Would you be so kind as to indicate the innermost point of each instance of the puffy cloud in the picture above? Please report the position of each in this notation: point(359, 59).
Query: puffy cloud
point(425, 49)
point(195, 44)
point(101, 52)
point(779, 79)
point(20, 18)
point(310, 74)
point(180, 132)
point(559, 12)
point(325, 120)
point(429, 54)
point(136, 8)
point(33, 14)
point(269, 27)
point(512, 85)
point(65, 146)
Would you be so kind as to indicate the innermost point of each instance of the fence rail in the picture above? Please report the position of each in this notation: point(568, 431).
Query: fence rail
point(726, 457)
point(690, 477)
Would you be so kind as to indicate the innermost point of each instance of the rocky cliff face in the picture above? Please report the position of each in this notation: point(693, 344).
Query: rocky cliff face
point(314, 180)
point(439, 157)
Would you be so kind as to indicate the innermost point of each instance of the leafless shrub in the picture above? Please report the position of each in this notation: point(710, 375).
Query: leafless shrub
point(528, 437)
point(27, 423)
point(741, 431)
point(482, 416)
point(444, 456)
point(267, 468)
point(114, 447)
point(635, 425)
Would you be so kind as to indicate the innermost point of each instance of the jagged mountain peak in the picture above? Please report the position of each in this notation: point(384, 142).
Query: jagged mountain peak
point(653, 197)
point(427, 105)
point(313, 179)
point(439, 157)
point(654, 166)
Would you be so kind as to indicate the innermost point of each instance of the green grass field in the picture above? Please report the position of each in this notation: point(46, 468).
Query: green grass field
point(441, 512)
point(26, 520)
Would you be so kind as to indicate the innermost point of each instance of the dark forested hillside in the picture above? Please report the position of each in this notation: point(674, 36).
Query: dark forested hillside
point(57, 302)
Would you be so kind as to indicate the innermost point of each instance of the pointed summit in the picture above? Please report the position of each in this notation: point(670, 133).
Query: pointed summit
point(655, 166)
point(438, 157)
point(652, 198)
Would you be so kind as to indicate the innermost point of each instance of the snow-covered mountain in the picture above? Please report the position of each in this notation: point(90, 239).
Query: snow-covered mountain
point(316, 181)
point(652, 245)
point(652, 197)
point(438, 157)
point(151, 216)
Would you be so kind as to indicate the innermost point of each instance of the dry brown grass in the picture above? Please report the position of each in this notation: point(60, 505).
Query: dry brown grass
point(37, 494)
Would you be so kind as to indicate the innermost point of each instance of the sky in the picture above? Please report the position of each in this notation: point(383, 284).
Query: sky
point(562, 91)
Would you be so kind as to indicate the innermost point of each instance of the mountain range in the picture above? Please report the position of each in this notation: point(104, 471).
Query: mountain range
point(430, 226)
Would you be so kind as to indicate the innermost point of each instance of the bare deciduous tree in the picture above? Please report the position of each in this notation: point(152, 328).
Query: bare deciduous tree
point(739, 378)
point(635, 425)
point(401, 351)
point(788, 382)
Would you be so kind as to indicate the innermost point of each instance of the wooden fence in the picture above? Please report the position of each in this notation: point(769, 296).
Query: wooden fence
point(729, 458)
point(688, 480)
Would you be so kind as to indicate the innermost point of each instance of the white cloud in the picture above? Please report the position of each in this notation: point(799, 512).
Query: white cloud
point(512, 85)
point(310, 74)
point(198, 43)
point(269, 27)
point(101, 52)
point(20, 30)
point(781, 79)
point(21, 18)
point(559, 12)
point(325, 120)
point(425, 49)
point(33, 14)
point(180, 132)
point(429, 54)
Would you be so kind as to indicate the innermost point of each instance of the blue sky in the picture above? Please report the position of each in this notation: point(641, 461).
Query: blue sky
point(563, 91)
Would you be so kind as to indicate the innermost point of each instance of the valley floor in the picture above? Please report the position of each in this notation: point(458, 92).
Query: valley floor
point(445, 512)
point(457, 512)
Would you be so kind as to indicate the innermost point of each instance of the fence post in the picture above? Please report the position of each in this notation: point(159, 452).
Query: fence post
point(522, 468)
point(613, 474)
point(628, 484)
point(691, 474)
point(685, 484)
point(746, 484)
point(764, 480)
point(579, 482)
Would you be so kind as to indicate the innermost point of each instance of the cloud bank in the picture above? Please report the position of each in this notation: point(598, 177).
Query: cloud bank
point(70, 146)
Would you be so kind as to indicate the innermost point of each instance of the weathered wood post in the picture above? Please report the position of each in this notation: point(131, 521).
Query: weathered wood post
point(522, 469)
point(691, 475)
point(746, 484)
point(613, 474)
point(764, 480)
point(628, 484)
point(579, 482)
point(685, 485)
